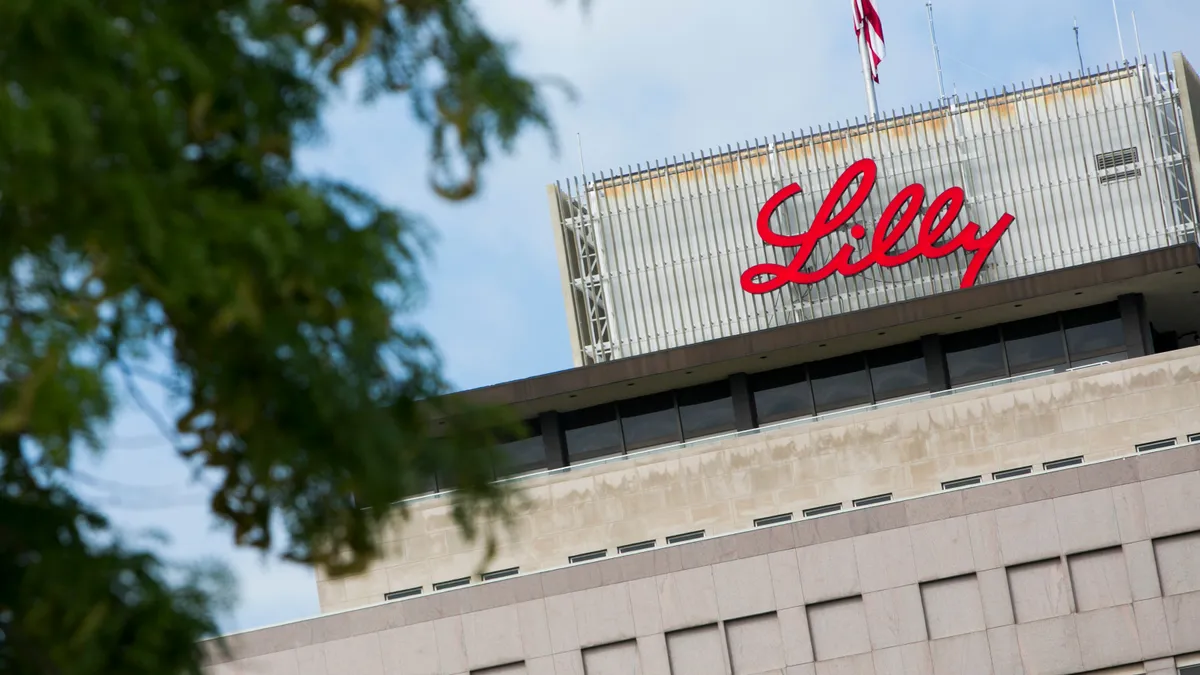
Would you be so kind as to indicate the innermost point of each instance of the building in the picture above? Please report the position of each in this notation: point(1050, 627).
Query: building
point(981, 457)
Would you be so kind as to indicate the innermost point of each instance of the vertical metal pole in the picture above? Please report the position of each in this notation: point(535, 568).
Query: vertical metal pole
point(937, 57)
point(582, 171)
point(1136, 37)
point(1117, 19)
point(864, 51)
point(1078, 50)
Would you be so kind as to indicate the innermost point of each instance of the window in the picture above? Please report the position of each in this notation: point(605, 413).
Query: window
point(649, 421)
point(782, 394)
point(1012, 473)
point(1155, 445)
point(524, 455)
point(585, 557)
point(500, 574)
point(840, 383)
point(453, 583)
point(640, 546)
point(399, 595)
point(962, 482)
point(974, 356)
point(592, 433)
point(1190, 670)
point(821, 510)
point(1093, 331)
point(898, 371)
point(705, 409)
point(876, 499)
point(1034, 344)
point(686, 536)
point(1062, 463)
point(772, 520)
point(1194, 438)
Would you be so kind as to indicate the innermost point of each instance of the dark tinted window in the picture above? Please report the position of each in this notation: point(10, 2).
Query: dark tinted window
point(705, 409)
point(523, 455)
point(840, 383)
point(650, 420)
point(592, 433)
point(974, 356)
point(898, 371)
point(781, 394)
point(1093, 330)
point(1033, 344)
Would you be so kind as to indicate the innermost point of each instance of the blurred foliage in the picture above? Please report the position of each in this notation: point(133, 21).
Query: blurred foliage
point(149, 201)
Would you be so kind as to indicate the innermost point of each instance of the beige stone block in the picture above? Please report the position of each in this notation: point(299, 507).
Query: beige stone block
point(1050, 646)
point(603, 615)
point(1027, 532)
point(542, 665)
point(1006, 653)
point(1142, 570)
point(885, 560)
point(1100, 579)
point(451, 644)
point(962, 654)
point(912, 659)
point(1087, 521)
point(996, 597)
point(1131, 512)
point(643, 601)
point(358, 655)
point(1083, 416)
point(1183, 621)
point(860, 664)
point(611, 659)
point(839, 628)
point(828, 571)
point(560, 615)
point(934, 507)
point(1171, 504)
point(952, 606)
point(370, 586)
point(569, 663)
point(493, 637)
point(1152, 628)
point(744, 587)
point(652, 655)
point(535, 628)
point(697, 650)
point(1179, 563)
point(985, 540)
point(310, 660)
point(942, 548)
point(797, 641)
point(806, 669)
point(1108, 637)
point(411, 650)
point(687, 598)
point(785, 579)
point(755, 645)
point(894, 617)
point(330, 592)
point(1039, 590)
point(277, 663)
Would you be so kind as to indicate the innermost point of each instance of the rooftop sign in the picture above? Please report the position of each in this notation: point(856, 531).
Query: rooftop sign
point(894, 222)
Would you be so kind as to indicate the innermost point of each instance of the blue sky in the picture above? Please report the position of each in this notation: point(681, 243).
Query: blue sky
point(654, 78)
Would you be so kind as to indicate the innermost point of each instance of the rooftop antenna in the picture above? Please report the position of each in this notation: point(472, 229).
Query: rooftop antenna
point(582, 171)
point(937, 57)
point(1117, 19)
point(1136, 37)
point(1078, 50)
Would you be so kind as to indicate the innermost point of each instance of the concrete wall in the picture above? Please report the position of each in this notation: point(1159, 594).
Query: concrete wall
point(1072, 571)
point(723, 485)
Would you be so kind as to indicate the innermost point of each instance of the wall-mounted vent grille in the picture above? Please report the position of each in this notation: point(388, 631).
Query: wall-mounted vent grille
point(1120, 175)
point(1110, 160)
point(771, 520)
point(453, 583)
point(1012, 473)
point(500, 574)
point(821, 510)
point(962, 482)
point(584, 557)
point(874, 499)
point(406, 593)
point(1155, 445)
point(686, 536)
point(640, 546)
point(1062, 463)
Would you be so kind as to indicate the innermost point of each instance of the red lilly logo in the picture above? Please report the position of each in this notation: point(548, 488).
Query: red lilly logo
point(895, 221)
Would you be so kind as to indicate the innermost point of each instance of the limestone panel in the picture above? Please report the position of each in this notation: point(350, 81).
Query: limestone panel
point(952, 606)
point(839, 628)
point(1100, 579)
point(755, 645)
point(696, 650)
point(962, 654)
point(614, 659)
point(1039, 590)
point(1179, 562)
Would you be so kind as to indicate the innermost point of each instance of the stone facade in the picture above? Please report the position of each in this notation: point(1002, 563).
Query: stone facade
point(1089, 569)
point(722, 485)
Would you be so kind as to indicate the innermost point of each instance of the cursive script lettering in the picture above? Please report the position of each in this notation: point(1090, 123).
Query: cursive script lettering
point(894, 222)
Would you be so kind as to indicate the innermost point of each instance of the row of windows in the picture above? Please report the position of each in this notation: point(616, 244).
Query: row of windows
point(452, 583)
point(1012, 473)
point(1063, 340)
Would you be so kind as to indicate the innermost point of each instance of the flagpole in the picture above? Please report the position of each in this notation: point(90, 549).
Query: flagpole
point(864, 53)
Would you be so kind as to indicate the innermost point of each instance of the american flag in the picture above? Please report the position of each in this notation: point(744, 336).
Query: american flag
point(866, 18)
